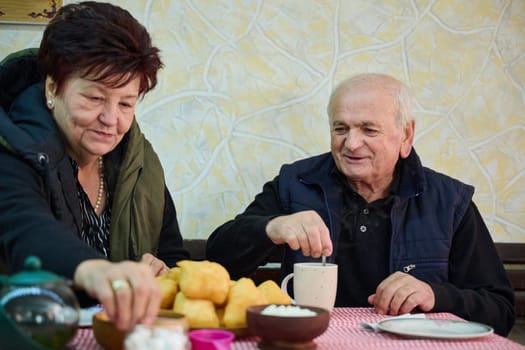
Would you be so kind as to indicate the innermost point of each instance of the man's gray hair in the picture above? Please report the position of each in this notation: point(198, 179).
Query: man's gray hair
point(402, 96)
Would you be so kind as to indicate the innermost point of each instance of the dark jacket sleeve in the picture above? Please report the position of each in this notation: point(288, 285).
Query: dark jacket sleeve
point(241, 244)
point(478, 287)
point(171, 247)
point(28, 226)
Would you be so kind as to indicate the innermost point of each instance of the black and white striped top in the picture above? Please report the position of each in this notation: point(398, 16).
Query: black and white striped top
point(95, 229)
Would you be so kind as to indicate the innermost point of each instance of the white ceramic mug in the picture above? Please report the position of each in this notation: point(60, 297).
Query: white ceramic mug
point(314, 284)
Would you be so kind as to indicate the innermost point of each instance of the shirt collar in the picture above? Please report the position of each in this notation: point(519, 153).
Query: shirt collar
point(394, 189)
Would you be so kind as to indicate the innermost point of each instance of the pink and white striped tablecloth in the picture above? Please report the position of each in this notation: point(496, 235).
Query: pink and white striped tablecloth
point(345, 333)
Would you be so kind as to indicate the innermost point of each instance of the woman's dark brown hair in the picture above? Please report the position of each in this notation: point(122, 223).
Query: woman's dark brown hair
point(100, 42)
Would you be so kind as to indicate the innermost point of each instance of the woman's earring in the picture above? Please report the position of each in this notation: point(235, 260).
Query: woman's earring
point(49, 103)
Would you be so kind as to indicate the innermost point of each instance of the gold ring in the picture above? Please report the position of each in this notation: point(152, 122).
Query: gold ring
point(118, 284)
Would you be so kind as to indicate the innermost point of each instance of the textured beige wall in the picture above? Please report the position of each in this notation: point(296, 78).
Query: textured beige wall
point(246, 84)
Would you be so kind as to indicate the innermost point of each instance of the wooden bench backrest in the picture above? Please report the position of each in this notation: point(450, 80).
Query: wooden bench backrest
point(196, 248)
point(513, 257)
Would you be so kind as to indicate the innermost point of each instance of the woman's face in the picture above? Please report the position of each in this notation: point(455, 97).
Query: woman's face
point(92, 117)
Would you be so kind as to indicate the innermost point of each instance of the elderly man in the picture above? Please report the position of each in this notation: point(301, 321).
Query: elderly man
point(405, 237)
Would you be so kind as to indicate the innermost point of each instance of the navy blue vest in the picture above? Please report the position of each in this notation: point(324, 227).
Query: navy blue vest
point(425, 215)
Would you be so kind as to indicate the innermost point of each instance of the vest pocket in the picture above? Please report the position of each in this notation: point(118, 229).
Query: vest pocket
point(429, 271)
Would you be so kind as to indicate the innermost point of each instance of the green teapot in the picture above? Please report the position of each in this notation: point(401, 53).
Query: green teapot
point(38, 310)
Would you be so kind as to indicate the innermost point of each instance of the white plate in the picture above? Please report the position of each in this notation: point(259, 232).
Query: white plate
point(435, 328)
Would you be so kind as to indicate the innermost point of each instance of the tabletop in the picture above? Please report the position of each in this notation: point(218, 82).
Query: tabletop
point(345, 333)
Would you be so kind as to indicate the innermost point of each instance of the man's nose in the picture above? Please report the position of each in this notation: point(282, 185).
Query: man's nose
point(353, 139)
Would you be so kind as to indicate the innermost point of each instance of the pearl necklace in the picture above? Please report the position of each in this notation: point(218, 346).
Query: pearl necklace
point(101, 184)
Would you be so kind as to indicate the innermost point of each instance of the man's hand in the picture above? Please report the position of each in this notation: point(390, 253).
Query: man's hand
point(303, 230)
point(400, 293)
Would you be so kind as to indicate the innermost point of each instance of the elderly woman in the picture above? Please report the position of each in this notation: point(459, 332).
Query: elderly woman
point(81, 187)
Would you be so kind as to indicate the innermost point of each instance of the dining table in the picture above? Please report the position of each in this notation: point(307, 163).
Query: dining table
point(346, 333)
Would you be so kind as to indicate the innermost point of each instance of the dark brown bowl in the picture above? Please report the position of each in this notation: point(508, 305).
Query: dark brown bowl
point(286, 329)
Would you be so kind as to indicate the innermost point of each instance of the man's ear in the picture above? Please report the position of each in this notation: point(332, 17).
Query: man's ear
point(408, 139)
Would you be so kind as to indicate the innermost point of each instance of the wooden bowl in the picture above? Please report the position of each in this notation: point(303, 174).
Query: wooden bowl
point(111, 338)
point(287, 330)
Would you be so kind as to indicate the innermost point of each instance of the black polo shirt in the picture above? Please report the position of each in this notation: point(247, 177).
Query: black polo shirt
point(363, 248)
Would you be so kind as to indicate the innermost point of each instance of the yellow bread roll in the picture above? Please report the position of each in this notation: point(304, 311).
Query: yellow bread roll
point(174, 274)
point(220, 314)
point(273, 293)
point(204, 280)
point(200, 313)
point(169, 289)
point(243, 294)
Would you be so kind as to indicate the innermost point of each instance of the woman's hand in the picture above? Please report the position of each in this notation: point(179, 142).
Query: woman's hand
point(127, 290)
point(158, 266)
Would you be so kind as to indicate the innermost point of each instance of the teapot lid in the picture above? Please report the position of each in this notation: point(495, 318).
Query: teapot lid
point(32, 274)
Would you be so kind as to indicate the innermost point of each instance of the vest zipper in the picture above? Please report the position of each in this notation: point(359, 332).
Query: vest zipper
point(409, 268)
